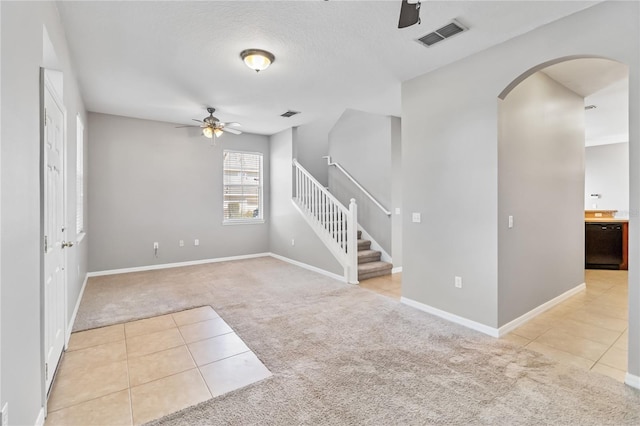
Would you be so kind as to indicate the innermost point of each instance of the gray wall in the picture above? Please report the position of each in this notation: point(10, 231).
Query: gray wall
point(396, 191)
point(541, 185)
point(286, 223)
point(361, 143)
point(23, 53)
point(310, 144)
point(450, 161)
point(607, 173)
point(151, 182)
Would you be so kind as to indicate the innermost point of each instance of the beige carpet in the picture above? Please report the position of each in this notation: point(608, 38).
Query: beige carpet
point(342, 355)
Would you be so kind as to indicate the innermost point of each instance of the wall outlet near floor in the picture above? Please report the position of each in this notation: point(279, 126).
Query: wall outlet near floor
point(457, 281)
point(181, 243)
point(4, 419)
point(156, 246)
point(196, 242)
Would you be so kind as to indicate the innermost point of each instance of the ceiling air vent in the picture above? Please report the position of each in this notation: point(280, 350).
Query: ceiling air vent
point(440, 34)
point(289, 113)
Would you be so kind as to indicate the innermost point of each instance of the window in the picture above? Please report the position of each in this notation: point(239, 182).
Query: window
point(242, 187)
point(79, 176)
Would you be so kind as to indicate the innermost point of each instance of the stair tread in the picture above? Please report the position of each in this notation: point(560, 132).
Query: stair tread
point(374, 266)
point(367, 252)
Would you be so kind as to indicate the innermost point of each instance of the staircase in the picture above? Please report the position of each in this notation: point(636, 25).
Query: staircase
point(369, 263)
point(336, 226)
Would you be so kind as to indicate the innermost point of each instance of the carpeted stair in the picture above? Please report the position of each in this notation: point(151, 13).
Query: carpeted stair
point(369, 263)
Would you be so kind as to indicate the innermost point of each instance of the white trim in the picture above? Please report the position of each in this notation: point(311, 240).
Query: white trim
point(396, 270)
point(384, 256)
point(340, 278)
point(173, 265)
point(80, 237)
point(72, 320)
point(451, 317)
point(40, 419)
point(512, 325)
point(632, 380)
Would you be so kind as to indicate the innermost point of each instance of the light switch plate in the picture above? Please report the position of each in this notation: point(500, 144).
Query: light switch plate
point(416, 218)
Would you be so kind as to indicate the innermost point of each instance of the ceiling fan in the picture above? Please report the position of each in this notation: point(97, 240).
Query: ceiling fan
point(211, 126)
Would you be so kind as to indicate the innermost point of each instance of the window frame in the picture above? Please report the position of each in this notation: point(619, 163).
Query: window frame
point(245, 220)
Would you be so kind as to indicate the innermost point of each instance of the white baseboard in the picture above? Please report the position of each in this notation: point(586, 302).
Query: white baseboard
point(40, 419)
point(174, 265)
point(309, 267)
point(632, 380)
point(451, 317)
point(72, 320)
point(396, 270)
point(512, 325)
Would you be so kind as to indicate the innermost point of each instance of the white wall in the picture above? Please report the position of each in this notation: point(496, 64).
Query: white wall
point(450, 161)
point(23, 53)
point(541, 185)
point(607, 173)
point(151, 182)
point(286, 222)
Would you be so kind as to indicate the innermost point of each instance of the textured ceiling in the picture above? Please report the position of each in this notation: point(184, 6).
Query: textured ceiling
point(167, 61)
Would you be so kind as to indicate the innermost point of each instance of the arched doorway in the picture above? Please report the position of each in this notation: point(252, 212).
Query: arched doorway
point(541, 198)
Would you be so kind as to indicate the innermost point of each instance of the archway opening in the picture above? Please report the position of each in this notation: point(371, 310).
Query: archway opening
point(560, 160)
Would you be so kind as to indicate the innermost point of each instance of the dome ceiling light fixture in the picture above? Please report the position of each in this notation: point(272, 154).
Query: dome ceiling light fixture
point(257, 59)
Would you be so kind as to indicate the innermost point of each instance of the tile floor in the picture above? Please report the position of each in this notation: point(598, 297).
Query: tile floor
point(589, 330)
point(387, 285)
point(139, 371)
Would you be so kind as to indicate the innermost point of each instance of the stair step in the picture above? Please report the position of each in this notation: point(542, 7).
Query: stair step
point(368, 256)
point(374, 269)
point(364, 244)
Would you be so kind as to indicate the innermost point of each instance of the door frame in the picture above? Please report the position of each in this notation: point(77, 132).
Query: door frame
point(48, 85)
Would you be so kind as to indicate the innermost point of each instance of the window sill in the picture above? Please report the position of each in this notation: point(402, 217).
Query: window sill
point(243, 222)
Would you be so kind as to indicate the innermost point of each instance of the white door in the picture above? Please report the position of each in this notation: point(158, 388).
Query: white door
point(54, 232)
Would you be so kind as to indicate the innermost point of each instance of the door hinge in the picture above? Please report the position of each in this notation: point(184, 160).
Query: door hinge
point(46, 244)
point(46, 371)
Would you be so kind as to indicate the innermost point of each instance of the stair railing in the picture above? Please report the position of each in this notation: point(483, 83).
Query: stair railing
point(355, 182)
point(336, 225)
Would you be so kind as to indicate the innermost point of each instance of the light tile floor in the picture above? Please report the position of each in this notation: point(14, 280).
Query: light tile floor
point(387, 285)
point(589, 330)
point(139, 371)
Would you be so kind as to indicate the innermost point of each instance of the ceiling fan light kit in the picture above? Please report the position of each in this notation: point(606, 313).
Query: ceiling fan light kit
point(211, 126)
point(257, 59)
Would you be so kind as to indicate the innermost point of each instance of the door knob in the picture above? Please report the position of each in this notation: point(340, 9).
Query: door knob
point(67, 244)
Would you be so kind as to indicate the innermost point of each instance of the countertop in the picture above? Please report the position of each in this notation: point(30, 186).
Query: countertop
point(605, 220)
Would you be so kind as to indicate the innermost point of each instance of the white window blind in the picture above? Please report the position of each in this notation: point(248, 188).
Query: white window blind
point(242, 186)
point(79, 176)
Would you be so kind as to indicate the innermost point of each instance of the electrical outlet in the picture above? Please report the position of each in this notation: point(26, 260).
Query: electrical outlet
point(397, 210)
point(196, 242)
point(181, 243)
point(4, 420)
point(156, 246)
point(416, 217)
point(510, 221)
point(457, 281)
point(293, 242)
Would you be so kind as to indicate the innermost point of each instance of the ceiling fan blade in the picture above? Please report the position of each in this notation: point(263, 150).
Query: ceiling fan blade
point(232, 124)
point(179, 127)
point(199, 121)
point(232, 131)
point(409, 14)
